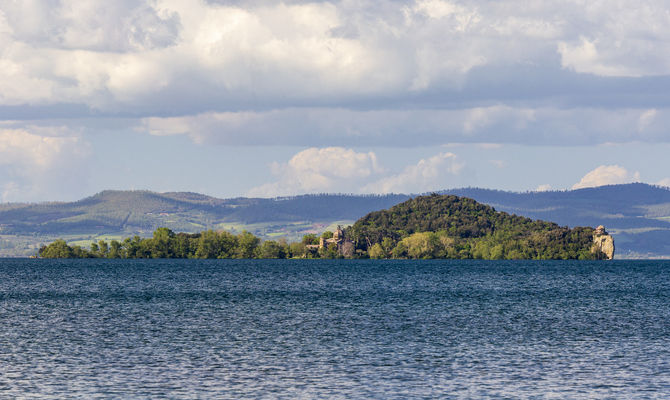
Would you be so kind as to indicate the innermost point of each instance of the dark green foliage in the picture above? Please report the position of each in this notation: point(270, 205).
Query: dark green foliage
point(272, 249)
point(57, 249)
point(310, 238)
point(167, 244)
point(435, 226)
point(445, 226)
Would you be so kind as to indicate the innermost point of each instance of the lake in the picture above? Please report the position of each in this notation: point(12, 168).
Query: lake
point(334, 328)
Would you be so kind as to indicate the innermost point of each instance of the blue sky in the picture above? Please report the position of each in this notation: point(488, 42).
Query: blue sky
point(257, 98)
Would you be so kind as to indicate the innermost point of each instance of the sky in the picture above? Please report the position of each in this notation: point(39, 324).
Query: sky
point(260, 98)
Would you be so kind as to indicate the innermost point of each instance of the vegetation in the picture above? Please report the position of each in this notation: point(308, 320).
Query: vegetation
point(445, 226)
point(167, 244)
point(435, 226)
point(638, 214)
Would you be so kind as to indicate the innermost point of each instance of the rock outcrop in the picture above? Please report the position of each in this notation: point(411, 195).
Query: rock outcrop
point(603, 244)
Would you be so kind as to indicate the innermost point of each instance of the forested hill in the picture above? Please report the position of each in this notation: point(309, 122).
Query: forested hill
point(446, 226)
point(638, 215)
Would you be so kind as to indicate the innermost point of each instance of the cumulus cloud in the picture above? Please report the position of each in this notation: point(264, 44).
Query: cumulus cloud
point(607, 175)
point(347, 74)
point(620, 46)
point(98, 25)
point(428, 174)
point(318, 170)
point(337, 169)
point(198, 56)
point(32, 163)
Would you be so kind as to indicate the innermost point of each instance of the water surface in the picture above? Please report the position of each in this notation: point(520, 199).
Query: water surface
point(338, 329)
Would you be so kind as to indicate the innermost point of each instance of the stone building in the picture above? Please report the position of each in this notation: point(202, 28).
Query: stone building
point(344, 247)
point(603, 243)
point(338, 238)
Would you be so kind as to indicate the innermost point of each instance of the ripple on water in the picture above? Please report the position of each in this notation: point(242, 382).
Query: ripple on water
point(366, 329)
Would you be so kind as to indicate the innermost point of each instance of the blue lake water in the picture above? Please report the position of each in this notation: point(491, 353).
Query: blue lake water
point(336, 329)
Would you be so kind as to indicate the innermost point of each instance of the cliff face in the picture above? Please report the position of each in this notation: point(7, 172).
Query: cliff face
point(603, 243)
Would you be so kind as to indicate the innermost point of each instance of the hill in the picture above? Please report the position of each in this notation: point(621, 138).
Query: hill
point(118, 214)
point(447, 226)
point(637, 215)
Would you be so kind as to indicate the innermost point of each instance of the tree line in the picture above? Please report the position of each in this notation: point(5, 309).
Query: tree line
point(207, 244)
point(434, 226)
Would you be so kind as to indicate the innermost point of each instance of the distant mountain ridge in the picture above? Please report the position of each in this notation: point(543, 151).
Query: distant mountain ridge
point(638, 215)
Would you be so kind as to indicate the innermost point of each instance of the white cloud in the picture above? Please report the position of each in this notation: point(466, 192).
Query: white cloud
point(9, 191)
point(607, 175)
point(120, 25)
point(584, 58)
point(318, 170)
point(37, 162)
point(646, 119)
point(20, 147)
point(428, 174)
point(125, 53)
point(664, 182)
point(340, 170)
point(614, 39)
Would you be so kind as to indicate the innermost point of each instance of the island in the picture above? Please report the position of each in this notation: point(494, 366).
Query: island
point(425, 227)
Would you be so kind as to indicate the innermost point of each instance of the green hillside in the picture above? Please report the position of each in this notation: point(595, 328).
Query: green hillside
point(117, 214)
point(445, 226)
point(637, 215)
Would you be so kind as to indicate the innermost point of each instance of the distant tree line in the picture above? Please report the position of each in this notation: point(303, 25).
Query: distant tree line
point(426, 227)
point(207, 244)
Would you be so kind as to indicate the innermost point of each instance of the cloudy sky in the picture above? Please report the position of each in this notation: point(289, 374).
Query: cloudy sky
point(259, 98)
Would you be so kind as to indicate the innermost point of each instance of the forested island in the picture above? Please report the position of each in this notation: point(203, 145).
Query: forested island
point(426, 227)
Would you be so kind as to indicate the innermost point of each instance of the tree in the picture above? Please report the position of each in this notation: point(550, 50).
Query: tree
point(271, 249)
point(247, 244)
point(115, 249)
point(95, 250)
point(310, 238)
point(208, 245)
point(57, 249)
point(297, 250)
point(104, 249)
point(376, 251)
point(329, 251)
point(162, 245)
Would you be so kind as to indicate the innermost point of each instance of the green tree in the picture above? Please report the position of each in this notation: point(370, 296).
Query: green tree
point(115, 249)
point(162, 244)
point(103, 249)
point(271, 249)
point(297, 250)
point(57, 249)
point(310, 238)
point(376, 251)
point(247, 244)
point(208, 245)
point(329, 251)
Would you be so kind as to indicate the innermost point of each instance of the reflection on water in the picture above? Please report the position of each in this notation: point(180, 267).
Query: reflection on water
point(384, 329)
